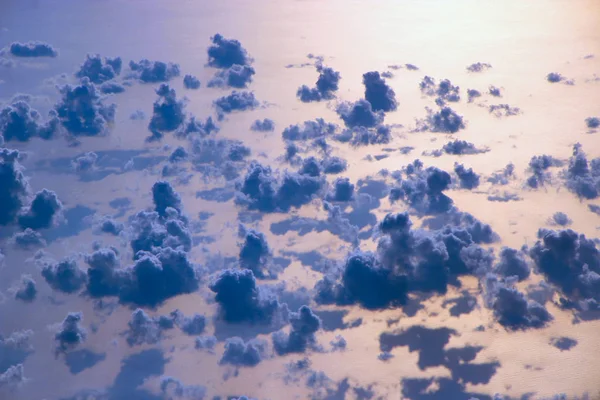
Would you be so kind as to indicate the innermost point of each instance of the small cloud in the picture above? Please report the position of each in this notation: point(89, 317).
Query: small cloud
point(32, 49)
point(154, 71)
point(478, 67)
point(191, 82)
point(99, 70)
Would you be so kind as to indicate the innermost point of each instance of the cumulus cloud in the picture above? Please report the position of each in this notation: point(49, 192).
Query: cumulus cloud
point(503, 176)
point(342, 190)
point(64, 276)
point(445, 90)
point(71, 334)
point(378, 93)
point(107, 224)
point(144, 329)
point(85, 162)
point(592, 122)
point(112, 88)
point(261, 190)
point(304, 325)
point(44, 211)
point(473, 94)
point(555, 77)
point(154, 71)
point(264, 125)
point(243, 354)
point(26, 291)
point(583, 177)
point(240, 299)
point(539, 166)
point(236, 101)
point(326, 86)
point(561, 219)
point(175, 389)
point(511, 307)
point(467, 178)
point(359, 114)
point(446, 120)
point(20, 122)
point(255, 253)
point(99, 70)
point(81, 110)
point(205, 343)
point(309, 130)
point(571, 262)
point(462, 147)
point(503, 110)
point(237, 76)
point(478, 67)
point(191, 82)
point(364, 136)
point(224, 53)
point(28, 239)
point(512, 263)
point(168, 112)
point(32, 49)
point(192, 326)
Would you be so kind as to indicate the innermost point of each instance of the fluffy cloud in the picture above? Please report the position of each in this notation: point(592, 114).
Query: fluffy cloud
point(302, 334)
point(359, 114)
point(224, 53)
point(27, 290)
point(462, 147)
point(28, 239)
point(583, 177)
point(20, 122)
point(255, 253)
point(191, 82)
point(99, 70)
point(32, 49)
point(175, 389)
point(240, 353)
point(71, 333)
point(445, 90)
point(467, 178)
point(168, 112)
point(236, 101)
point(81, 110)
point(154, 71)
point(64, 276)
point(144, 329)
point(446, 120)
point(378, 93)
point(326, 86)
point(309, 130)
point(512, 263)
point(478, 67)
point(265, 125)
point(343, 190)
point(44, 211)
point(237, 76)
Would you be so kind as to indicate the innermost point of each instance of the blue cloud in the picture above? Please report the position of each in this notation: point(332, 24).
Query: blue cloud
point(302, 334)
point(191, 82)
point(445, 90)
point(99, 70)
point(378, 93)
point(64, 276)
point(27, 289)
point(224, 53)
point(359, 114)
point(237, 76)
point(236, 101)
point(265, 125)
point(240, 353)
point(20, 122)
point(327, 84)
point(168, 112)
point(71, 333)
point(154, 71)
point(583, 177)
point(446, 120)
point(478, 67)
point(43, 212)
point(32, 49)
point(468, 179)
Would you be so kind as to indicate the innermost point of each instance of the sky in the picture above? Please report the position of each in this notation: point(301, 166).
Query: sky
point(299, 199)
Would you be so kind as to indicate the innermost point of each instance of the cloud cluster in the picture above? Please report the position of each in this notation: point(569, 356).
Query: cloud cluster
point(27, 289)
point(71, 333)
point(304, 325)
point(44, 211)
point(326, 86)
point(571, 262)
point(261, 190)
point(342, 190)
point(264, 125)
point(243, 354)
point(445, 90)
point(32, 49)
point(14, 187)
point(168, 112)
point(144, 329)
point(224, 53)
point(539, 166)
point(255, 253)
point(583, 177)
point(64, 276)
point(28, 239)
point(446, 120)
point(359, 114)
point(235, 101)
point(20, 122)
point(175, 389)
point(309, 130)
point(503, 110)
point(378, 93)
point(99, 70)
point(237, 76)
point(462, 147)
point(467, 178)
point(154, 71)
point(240, 299)
point(81, 110)
point(191, 82)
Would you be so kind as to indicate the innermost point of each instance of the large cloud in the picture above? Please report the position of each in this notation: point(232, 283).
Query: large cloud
point(81, 110)
point(20, 122)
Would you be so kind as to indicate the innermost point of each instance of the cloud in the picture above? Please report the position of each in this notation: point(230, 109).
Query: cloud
point(592, 122)
point(32, 49)
point(240, 299)
point(503, 110)
point(561, 219)
point(445, 90)
point(44, 211)
point(563, 343)
point(555, 77)
point(261, 190)
point(195, 127)
point(583, 177)
point(137, 115)
point(236, 101)
point(309, 130)
point(504, 197)
point(343, 190)
point(478, 67)
point(570, 261)
point(82, 112)
point(15, 349)
point(104, 277)
point(363, 136)
point(64, 276)
point(265, 125)
point(462, 147)
point(168, 113)
point(154, 71)
point(255, 253)
point(326, 86)
point(594, 208)
point(378, 93)
point(106, 224)
point(99, 70)
point(503, 176)
point(473, 94)
point(511, 307)
point(237, 76)
point(85, 162)
point(243, 354)
point(191, 82)
point(512, 263)
point(495, 91)
point(191, 326)
point(175, 389)
point(14, 187)
point(423, 189)
point(224, 53)
point(467, 178)
point(112, 88)
point(359, 114)
point(302, 334)
point(446, 120)
point(205, 343)
point(144, 329)
point(71, 334)
point(27, 290)
point(28, 239)
point(539, 166)
point(20, 122)
point(13, 377)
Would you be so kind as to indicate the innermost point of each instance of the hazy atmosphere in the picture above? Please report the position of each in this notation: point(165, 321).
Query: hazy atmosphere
point(299, 199)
